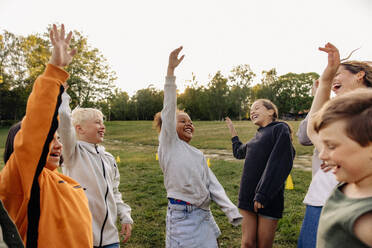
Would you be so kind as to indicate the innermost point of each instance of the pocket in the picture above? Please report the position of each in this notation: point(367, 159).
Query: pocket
point(177, 215)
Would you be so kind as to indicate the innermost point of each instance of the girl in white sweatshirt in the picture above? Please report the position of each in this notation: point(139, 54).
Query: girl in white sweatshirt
point(190, 184)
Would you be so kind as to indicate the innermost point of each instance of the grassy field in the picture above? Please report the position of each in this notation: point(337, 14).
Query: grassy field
point(142, 186)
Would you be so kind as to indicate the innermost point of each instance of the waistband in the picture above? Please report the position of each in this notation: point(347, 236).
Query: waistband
point(178, 202)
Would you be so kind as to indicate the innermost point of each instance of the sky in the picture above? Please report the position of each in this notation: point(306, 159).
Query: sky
point(136, 36)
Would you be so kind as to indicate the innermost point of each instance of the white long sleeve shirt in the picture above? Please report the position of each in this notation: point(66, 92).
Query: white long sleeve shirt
point(186, 173)
point(97, 172)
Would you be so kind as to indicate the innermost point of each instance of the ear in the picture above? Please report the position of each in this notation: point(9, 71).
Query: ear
point(271, 112)
point(79, 129)
point(360, 75)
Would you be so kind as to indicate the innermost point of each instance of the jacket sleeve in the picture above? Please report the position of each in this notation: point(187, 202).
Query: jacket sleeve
point(303, 139)
point(123, 209)
point(239, 150)
point(66, 130)
point(278, 166)
point(31, 145)
point(168, 113)
point(218, 195)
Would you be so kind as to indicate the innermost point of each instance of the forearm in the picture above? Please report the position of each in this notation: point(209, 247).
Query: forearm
point(321, 97)
point(219, 196)
point(40, 120)
point(66, 130)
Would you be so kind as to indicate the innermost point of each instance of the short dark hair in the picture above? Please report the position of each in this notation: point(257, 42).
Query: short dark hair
point(9, 144)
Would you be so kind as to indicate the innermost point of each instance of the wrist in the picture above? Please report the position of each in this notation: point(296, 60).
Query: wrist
point(170, 71)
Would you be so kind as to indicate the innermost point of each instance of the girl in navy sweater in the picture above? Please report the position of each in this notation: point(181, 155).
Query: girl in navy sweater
point(268, 161)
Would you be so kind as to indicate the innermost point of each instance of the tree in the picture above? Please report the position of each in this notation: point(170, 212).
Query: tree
point(242, 77)
point(217, 97)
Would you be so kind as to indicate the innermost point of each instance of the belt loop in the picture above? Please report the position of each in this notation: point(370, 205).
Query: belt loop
point(189, 208)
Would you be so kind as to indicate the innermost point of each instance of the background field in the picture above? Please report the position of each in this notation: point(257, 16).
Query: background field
point(135, 142)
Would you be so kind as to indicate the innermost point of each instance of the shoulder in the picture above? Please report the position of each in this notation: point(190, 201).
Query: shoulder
point(280, 126)
point(362, 228)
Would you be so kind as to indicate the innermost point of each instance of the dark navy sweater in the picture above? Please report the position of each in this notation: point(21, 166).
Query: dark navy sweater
point(268, 161)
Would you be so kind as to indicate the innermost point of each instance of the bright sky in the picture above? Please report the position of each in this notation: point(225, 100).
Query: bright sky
point(136, 36)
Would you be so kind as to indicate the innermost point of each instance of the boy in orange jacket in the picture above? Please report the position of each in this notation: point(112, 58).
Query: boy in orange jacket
point(48, 208)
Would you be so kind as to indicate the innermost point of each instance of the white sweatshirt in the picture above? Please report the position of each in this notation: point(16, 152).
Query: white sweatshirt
point(322, 183)
point(96, 171)
point(186, 173)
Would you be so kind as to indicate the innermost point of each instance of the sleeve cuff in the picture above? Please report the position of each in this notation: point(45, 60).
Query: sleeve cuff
point(235, 139)
point(56, 72)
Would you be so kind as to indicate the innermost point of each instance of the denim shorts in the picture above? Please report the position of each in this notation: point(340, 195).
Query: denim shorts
point(189, 226)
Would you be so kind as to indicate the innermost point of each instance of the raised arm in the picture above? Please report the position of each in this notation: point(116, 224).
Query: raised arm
point(239, 150)
point(168, 114)
point(323, 92)
point(66, 130)
point(31, 146)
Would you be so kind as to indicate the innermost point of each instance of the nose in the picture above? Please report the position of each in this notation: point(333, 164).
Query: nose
point(56, 144)
point(323, 155)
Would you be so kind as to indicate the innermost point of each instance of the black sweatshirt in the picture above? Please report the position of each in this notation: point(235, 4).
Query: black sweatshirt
point(268, 161)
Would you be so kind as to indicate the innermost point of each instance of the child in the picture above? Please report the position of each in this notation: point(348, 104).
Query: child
point(190, 184)
point(344, 126)
point(48, 208)
point(87, 162)
point(268, 161)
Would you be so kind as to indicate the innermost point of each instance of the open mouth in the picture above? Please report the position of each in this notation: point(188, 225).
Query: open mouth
point(188, 130)
point(336, 86)
point(55, 154)
point(254, 117)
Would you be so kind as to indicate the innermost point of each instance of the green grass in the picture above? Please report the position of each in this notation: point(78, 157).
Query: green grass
point(135, 142)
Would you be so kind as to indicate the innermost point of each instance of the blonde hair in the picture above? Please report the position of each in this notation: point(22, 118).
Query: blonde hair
point(80, 115)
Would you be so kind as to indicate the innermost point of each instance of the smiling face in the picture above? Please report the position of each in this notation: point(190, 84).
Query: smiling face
point(345, 81)
point(91, 130)
point(185, 128)
point(351, 162)
point(55, 152)
point(260, 115)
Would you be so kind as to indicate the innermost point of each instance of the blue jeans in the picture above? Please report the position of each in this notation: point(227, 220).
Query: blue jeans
point(189, 226)
point(116, 245)
point(309, 229)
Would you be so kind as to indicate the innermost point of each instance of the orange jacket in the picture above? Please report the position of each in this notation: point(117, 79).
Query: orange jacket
point(49, 209)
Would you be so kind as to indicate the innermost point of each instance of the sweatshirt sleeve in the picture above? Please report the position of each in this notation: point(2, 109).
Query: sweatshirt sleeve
point(123, 209)
point(239, 150)
point(168, 113)
point(66, 130)
point(218, 195)
point(303, 139)
point(278, 165)
point(31, 145)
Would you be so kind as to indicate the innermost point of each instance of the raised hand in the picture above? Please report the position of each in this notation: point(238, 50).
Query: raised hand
point(61, 56)
point(174, 61)
point(231, 127)
point(333, 62)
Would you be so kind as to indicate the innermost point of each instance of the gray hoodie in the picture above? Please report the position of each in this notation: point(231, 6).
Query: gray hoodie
point(97, 172)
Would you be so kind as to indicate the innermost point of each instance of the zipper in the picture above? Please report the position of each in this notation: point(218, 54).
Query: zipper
point(104, 222)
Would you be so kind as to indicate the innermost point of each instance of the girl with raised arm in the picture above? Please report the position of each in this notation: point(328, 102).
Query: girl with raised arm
point(190, 184)
point(268, 161)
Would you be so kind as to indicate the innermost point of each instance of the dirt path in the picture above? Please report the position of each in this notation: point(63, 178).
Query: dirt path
point(302, 162)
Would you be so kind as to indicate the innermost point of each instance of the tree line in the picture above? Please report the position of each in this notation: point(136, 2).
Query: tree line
point(92, 84)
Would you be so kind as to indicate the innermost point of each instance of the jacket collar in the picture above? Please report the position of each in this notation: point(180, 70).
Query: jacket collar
point(92, 148)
